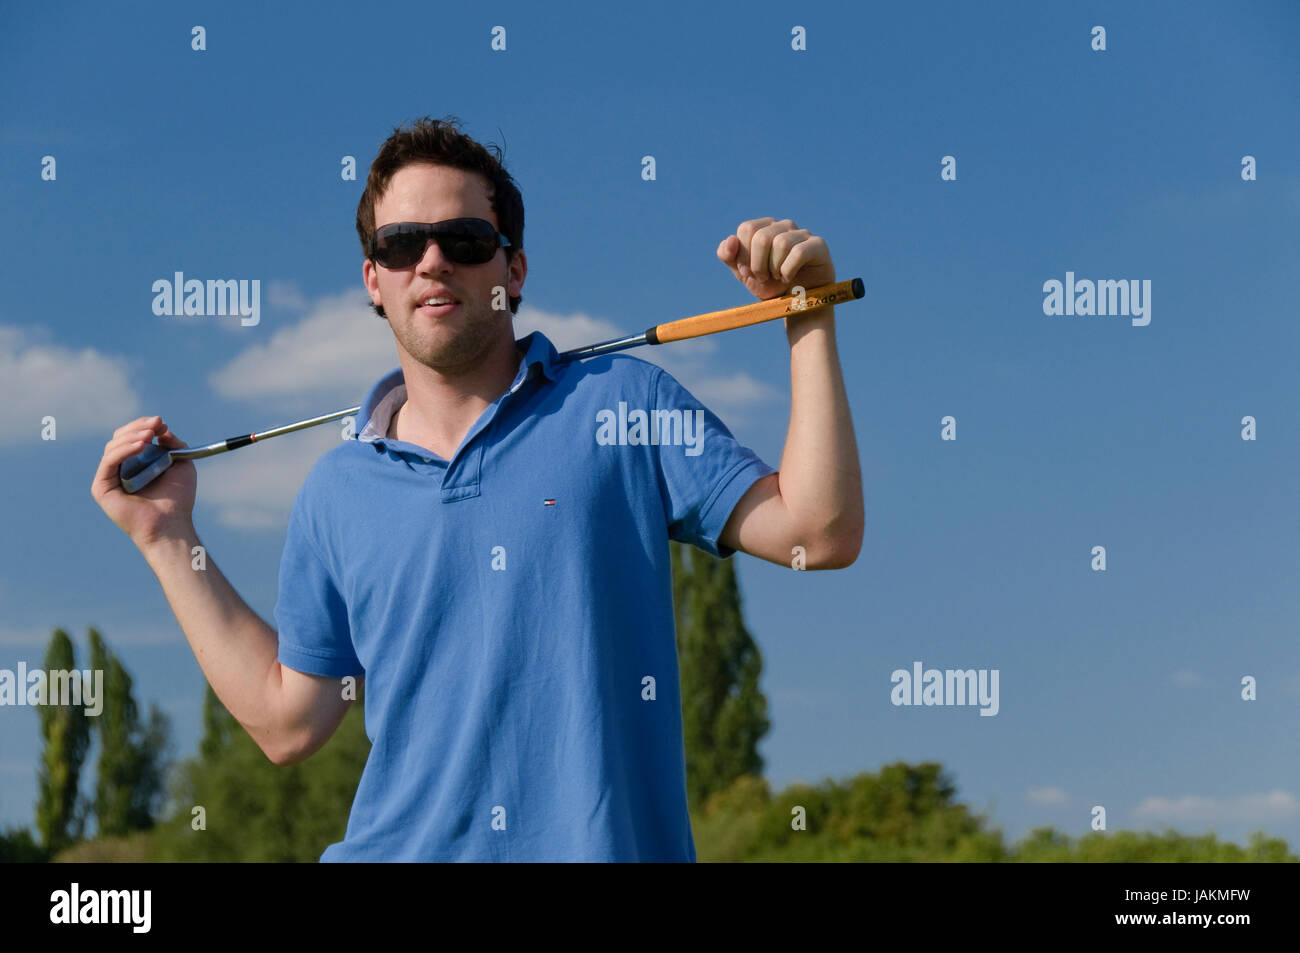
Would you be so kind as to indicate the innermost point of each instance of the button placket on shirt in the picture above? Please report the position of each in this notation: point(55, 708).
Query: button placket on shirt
point(461, 481)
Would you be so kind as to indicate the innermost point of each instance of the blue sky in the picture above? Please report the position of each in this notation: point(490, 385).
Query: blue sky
point(1119, 688)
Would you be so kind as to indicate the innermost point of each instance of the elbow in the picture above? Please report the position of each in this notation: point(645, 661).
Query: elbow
point(844, 553)
point(275, 753)
point(279, 748)
point(294, 748)
point(832, 552)
point(843, 545)
point(281, 757)
point(284, 756)
point(845, 534)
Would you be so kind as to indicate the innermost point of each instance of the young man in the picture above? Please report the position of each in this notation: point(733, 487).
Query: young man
point(495, 570)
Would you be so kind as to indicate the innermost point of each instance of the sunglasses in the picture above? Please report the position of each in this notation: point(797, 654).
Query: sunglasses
point(466, 241)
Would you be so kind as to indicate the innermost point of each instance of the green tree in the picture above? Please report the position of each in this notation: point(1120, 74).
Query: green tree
point(253, 810)
point(65, 730)
point(910, 812)
point(17, 846)
point(131, 772)
point(219, 727)
point(1046, 845)
point(724, 715)
point(903, 813)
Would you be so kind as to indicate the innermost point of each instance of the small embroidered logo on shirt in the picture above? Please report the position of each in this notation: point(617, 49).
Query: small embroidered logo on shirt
point(548, 502)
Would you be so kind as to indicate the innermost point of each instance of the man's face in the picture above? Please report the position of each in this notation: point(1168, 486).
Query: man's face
point(458, 339)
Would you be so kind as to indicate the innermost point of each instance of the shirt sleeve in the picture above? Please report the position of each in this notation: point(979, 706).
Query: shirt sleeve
point(703, 477)
point(310, 615)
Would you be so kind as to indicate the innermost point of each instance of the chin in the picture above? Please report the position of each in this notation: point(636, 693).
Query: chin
point(459, 352)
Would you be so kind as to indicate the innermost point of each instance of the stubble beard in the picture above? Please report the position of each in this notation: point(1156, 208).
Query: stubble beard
point(456, 346)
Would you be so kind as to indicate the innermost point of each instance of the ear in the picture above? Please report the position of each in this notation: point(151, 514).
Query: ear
point(370, 276)
point(518, 271)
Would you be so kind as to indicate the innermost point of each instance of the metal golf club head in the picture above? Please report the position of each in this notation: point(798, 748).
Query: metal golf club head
point(143, 468)
point(139, 471)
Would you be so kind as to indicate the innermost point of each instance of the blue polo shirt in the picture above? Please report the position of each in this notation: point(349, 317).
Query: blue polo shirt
point(511, 611)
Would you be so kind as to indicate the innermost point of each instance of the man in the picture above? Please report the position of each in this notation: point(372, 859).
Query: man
point(496, 572)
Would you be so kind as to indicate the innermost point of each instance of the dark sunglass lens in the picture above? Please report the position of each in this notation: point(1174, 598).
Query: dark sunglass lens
point(470, 251)
point(409, 248)
point(401, 249)
point(470, 242)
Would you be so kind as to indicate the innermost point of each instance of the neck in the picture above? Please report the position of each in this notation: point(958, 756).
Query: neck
point(441, 406)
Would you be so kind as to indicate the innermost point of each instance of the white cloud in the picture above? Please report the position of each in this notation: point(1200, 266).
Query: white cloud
point(326, 362)
point(733, 389)
point(84, 390)
point(1185, 677)
point(1047, 797)
point(1272, 805)
point(727, 392)
point(567, 331)
point(254, 487)
point(286, 296)
point(339, 349)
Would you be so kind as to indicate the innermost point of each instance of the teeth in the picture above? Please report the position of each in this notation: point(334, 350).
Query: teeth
point(438, 301)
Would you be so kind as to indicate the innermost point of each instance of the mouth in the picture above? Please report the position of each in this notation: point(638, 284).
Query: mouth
point(437, 310)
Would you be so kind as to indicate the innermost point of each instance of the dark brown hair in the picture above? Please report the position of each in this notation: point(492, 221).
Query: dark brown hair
point(441, 142)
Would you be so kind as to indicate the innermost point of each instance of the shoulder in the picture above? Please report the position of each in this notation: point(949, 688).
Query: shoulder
point(335, 468)
point(618, 371)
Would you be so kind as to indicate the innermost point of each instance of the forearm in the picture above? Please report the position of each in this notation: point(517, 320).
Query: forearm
point(237, 650)
point(820, 476)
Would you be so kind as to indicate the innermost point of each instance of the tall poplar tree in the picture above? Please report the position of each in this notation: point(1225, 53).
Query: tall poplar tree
point(65, 730)
point(724, 715)
point(130, 782)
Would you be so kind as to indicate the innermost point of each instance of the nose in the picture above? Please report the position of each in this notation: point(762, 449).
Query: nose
point(433, 260)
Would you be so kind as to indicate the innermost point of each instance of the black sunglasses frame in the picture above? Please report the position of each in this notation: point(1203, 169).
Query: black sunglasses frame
point(464, 240)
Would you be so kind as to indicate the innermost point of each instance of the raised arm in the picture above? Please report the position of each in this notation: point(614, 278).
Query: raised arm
point(815, 500)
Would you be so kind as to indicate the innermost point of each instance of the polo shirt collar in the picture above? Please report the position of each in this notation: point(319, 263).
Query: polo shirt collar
point(539, 350)
point(389, 393)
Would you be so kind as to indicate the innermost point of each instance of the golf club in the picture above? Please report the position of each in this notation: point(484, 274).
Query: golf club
point(143, 468)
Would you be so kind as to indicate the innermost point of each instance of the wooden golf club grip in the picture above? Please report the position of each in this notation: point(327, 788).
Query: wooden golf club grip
point(756, 313)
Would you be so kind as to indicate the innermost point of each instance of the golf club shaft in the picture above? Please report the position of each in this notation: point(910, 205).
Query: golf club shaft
point(697, 326)
point(234, 443)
